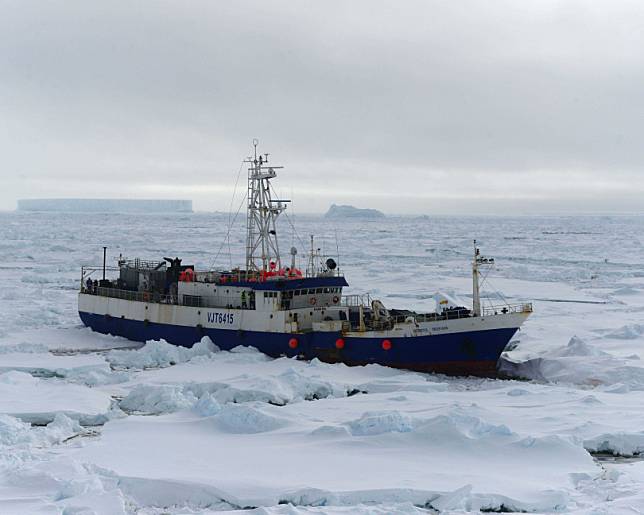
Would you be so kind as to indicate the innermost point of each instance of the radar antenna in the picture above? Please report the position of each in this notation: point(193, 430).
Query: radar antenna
point(262, 249)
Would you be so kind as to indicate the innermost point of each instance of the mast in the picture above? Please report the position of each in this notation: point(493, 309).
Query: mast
point(314, 266)
point(262, 247)
point(476, 295)
point(310, 269)
point(478, 262)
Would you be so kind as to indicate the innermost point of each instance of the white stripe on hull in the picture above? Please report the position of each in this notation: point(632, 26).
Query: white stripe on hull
point(278, 321)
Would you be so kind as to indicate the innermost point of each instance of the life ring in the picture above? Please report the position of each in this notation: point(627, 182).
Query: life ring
point(313, 301)
point(146, 296)
point(336, 299)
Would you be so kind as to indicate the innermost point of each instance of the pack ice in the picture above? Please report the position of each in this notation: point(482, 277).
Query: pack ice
point(96, 424)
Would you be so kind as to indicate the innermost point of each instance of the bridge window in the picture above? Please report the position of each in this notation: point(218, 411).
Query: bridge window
point(319, 290)
point(311, 292)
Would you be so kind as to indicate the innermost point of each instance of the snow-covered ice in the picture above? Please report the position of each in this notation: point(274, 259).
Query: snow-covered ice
point(36, 400)
point(96, 424)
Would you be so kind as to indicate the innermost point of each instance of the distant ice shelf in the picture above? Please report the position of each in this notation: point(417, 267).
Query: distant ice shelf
point(336, 211)
point(76, 205)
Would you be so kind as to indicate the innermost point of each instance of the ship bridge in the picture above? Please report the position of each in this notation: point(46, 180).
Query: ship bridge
point(282, 293)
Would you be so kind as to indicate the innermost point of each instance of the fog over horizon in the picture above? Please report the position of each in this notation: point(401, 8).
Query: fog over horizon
point(428, 107)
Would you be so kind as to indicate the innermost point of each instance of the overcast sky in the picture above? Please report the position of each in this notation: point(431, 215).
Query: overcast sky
point(411, 107)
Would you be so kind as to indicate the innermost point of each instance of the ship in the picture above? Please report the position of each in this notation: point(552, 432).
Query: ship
point(282, 309)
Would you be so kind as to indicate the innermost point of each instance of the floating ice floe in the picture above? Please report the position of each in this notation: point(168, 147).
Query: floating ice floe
point(156, 354)
point(249, 376)
point(21, 442)
point(45, 364)
point(75, 339)
point(627, 332)
point(579, 363)
point(387, 457)
point(379, 422)
point(156, 399)
point(617, 443)
point(289, 386)
point(38, 401)
point(37, 360)
point(246, 419)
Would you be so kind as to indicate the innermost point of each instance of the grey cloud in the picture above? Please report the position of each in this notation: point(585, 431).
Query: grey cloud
point(173, 91)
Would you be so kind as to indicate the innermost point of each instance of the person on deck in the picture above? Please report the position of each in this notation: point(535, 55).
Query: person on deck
point(88, 285)
point(243, 299)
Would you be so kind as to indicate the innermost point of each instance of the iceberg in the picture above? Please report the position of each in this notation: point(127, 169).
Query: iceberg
point(336, 211)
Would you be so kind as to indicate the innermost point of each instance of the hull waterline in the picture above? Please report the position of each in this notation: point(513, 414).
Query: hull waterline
point(473, 353)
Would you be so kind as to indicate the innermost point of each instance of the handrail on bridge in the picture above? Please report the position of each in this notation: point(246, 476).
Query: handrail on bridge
point(525, 307)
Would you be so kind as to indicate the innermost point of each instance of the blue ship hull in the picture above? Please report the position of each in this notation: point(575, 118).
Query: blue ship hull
point(465, 353)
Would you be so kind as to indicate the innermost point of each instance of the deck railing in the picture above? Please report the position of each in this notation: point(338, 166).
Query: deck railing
point(453, 314)
point(139, 296)
point(525, 307)
point(152, 297)
point(466, 313)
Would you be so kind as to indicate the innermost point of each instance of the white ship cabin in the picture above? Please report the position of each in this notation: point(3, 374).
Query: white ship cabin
point(211, 289)
point(281, 298)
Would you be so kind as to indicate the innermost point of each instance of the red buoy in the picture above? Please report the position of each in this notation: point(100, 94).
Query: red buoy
point(339, 343)
point(386, 344)
point(292, 343)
